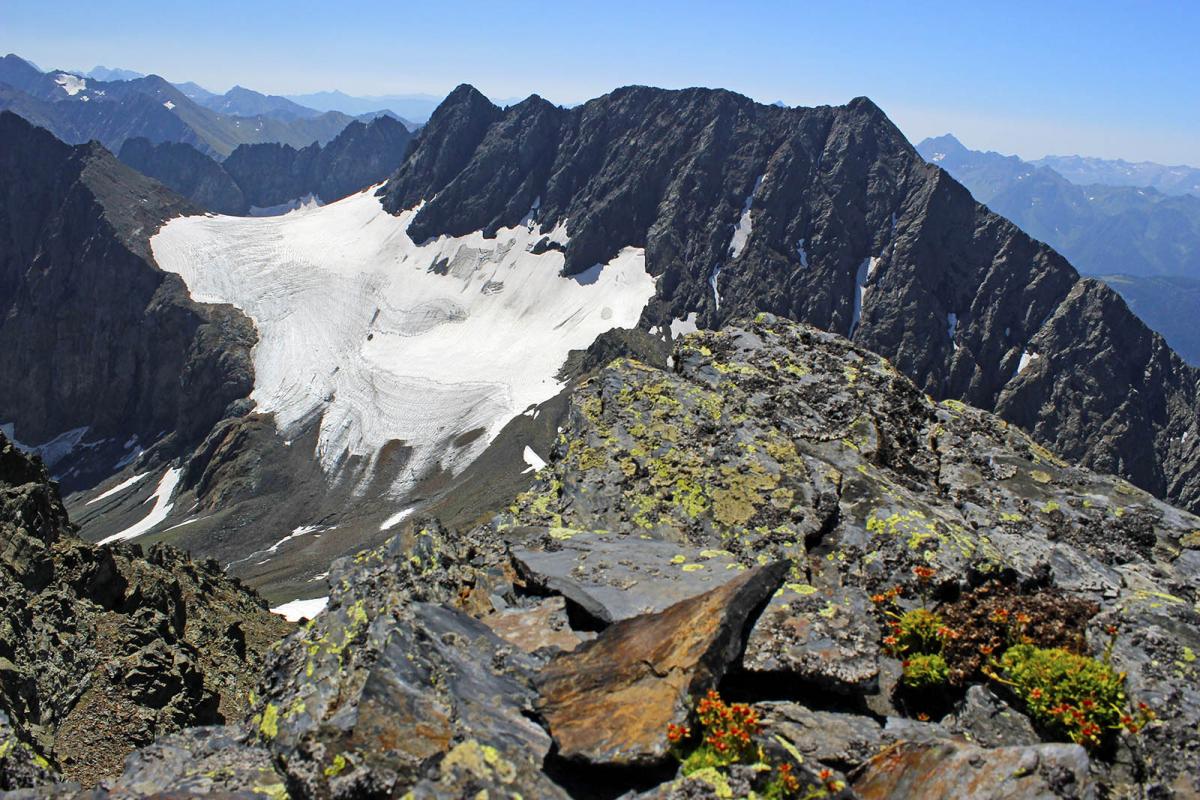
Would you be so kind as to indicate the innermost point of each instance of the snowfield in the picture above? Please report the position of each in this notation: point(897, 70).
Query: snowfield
point(387, 339)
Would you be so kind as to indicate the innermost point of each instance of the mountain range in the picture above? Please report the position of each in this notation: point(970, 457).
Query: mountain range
point(79, 109)
point(560, 428)
point(259, 178)
point(491, 269)
point(1132, 232)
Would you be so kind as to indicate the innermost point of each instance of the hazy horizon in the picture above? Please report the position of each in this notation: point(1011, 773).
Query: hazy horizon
point(1106, 79)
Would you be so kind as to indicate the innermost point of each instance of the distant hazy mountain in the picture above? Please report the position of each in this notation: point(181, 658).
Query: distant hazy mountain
point(242, 102)
point(414, 107)
point(77, 109)
point(195, 91)
point(101, 73)
point(1179, 179)
point(1124, 231)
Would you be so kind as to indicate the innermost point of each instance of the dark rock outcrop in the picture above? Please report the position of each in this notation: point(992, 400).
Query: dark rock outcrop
point(102, 649)
point(844, 226)
point(185, 170)
point(92, 334)
point(361, 155)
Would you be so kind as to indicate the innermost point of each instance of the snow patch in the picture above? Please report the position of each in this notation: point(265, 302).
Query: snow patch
point(169, 106)
point(865, 270)
point(71, 84)
point(534, 461)
point(745, 225)
point(802, 253)
point(387, 339)
point(952, 328)
point(937, 157)
point(1027, 358)
point(297, 610)
point(120, 487)
point(682, 327)
point(396, 519)
point(162, 507)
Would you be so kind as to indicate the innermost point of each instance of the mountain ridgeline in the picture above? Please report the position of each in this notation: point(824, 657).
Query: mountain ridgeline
point(829, 216)
point(78, 109)
point(1142, 242)
point(267, 175)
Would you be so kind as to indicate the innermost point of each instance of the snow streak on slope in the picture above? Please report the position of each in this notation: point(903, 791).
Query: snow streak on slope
point(388, 339)
point(161, 510)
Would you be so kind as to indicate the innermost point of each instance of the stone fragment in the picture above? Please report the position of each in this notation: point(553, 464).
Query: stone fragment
point(610, 701)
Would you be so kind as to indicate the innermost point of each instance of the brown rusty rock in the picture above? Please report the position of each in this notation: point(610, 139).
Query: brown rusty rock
point(610, 701)
point(531, 629)
point(936, 770)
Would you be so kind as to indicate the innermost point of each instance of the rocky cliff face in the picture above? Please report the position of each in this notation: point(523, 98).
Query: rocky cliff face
point(185, 170)
point(95, 340)
point(103, 649)
point(362, 155)
point(267, 176)
point(829, 216)
point(763, 520)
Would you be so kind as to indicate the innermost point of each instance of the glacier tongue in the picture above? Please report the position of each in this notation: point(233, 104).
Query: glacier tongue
point(388, 339)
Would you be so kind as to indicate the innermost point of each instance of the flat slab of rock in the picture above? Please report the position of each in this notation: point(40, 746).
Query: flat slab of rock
point(932, 771)
point(825, 636)
point(834, 739)
point(613, 576)
point(610, 701)
point(540, 626)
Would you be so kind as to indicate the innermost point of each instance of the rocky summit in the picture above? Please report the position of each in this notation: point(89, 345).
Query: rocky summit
point(779, 537)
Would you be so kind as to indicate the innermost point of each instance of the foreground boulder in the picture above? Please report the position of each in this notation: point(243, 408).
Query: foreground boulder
point(610, 702)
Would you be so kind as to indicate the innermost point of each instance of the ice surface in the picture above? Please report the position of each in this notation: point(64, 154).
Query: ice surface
point(162, 507)
point(120, 487)
point(298, 609)
point(389, 340)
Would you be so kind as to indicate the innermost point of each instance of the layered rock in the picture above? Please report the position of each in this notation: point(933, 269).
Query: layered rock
point(102, 649)
point(825, 215)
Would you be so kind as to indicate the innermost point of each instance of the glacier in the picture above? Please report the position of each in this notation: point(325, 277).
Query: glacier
point(387, 339)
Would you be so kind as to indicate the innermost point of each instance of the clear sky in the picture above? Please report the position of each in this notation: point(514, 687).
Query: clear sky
point(1103, 78)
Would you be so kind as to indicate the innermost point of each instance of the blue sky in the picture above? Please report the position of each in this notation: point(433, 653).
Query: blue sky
point(1112, 79)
